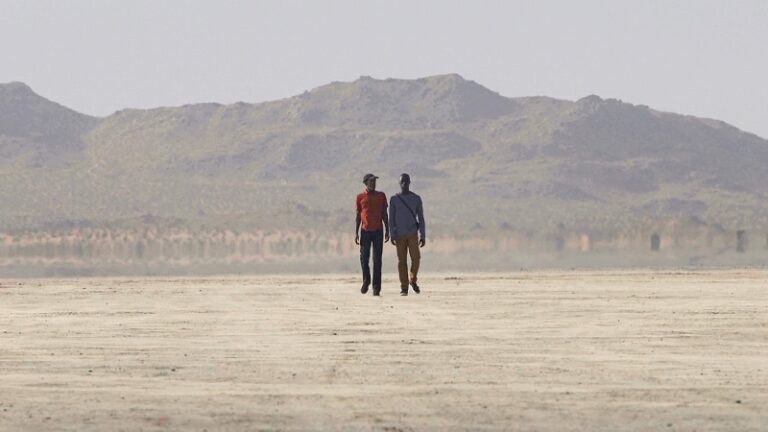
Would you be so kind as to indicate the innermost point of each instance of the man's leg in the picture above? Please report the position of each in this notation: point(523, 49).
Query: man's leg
point(378, 247)
point(365, 258)
point(402, 263)
point(415, 252)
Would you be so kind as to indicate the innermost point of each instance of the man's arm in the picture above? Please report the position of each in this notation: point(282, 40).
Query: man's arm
point(422, 224)
point(385, 219)
point(358, 219)
point(393, 218)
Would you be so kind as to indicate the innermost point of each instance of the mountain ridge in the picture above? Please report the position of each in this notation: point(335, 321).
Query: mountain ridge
point(531, 162)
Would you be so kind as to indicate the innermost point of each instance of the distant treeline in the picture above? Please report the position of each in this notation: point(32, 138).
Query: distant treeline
point(184, 246)
point(170, 245)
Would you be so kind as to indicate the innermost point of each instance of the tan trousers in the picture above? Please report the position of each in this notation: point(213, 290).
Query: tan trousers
point(408, 244)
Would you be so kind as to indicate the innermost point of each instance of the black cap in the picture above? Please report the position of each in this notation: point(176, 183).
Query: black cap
point(368, 177)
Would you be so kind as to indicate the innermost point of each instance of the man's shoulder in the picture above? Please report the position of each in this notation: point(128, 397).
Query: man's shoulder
point(368, 195)
point(415, 198)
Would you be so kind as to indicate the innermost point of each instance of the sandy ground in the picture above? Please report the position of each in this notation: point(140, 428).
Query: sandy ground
point(551, 351)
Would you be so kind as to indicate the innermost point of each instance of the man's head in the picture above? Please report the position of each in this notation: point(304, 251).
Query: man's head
point(405, 182)
point(370, 182)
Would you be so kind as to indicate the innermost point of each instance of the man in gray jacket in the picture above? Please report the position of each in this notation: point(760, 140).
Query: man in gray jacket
point(406, 220)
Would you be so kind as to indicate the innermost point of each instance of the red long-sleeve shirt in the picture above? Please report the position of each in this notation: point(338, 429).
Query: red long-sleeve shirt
point(372, 207)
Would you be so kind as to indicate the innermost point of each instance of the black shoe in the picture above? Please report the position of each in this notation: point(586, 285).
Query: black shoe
point(404, 293)
point(364, 288)
point(376, 291)
point(415, 287)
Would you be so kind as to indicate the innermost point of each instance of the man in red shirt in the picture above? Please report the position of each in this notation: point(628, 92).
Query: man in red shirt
point(370, 214)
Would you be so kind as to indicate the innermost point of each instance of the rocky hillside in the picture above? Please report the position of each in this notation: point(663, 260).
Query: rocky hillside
point(35, 131)
point(481, 161)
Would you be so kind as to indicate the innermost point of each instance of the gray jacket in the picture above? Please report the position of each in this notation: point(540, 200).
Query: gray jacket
point(401, 221)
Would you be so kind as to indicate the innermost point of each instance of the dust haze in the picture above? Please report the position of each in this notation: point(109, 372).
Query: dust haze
point(525, 182)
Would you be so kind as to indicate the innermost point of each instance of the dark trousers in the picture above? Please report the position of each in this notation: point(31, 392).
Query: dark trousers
point(368, 238)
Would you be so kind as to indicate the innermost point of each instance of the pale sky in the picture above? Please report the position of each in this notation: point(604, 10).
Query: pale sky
point(698, 57)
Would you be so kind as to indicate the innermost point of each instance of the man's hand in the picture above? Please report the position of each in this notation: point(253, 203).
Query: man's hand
point(357, 238)
point(386, 236)
point(422, 242)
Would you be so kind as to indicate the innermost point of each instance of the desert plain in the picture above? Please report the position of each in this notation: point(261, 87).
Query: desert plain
point(662, 350)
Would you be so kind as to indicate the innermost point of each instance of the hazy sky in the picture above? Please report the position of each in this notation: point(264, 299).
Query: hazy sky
point(706, 58)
